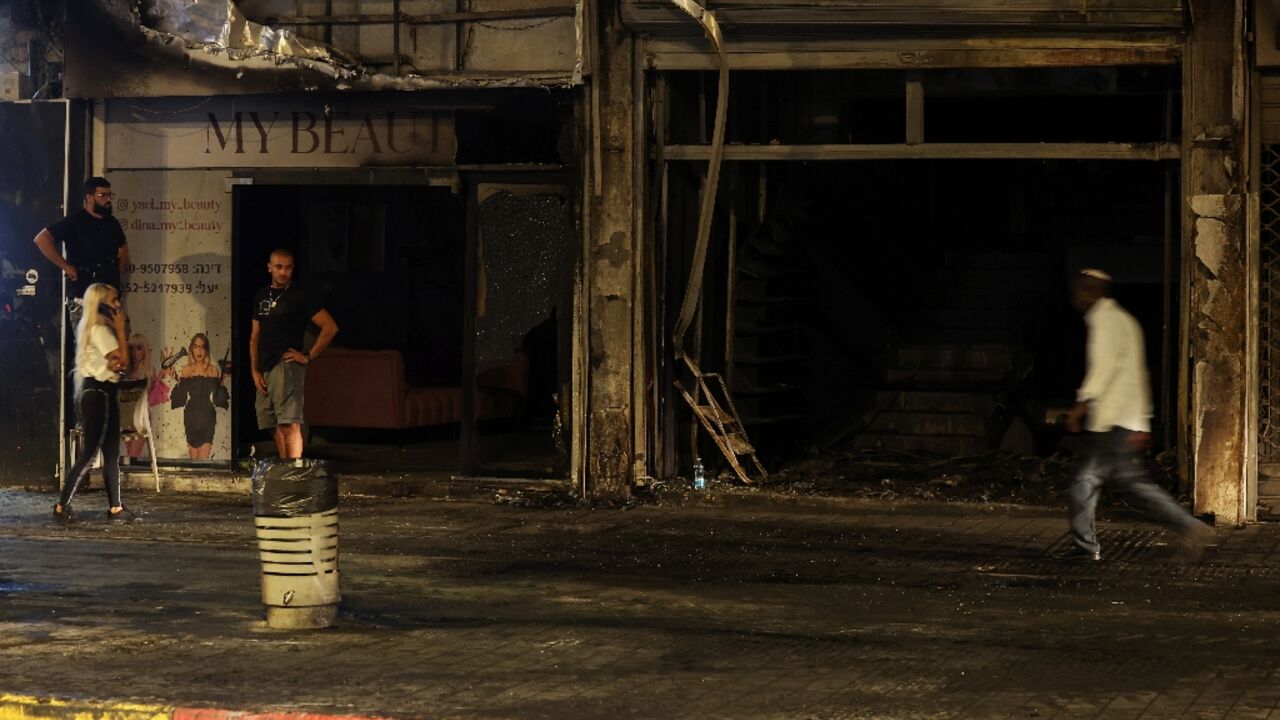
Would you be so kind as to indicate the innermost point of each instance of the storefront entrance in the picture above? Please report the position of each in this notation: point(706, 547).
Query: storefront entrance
point(419, 380)
point(891, 251)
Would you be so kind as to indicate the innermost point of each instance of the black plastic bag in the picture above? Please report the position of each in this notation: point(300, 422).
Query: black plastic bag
point(292, 488)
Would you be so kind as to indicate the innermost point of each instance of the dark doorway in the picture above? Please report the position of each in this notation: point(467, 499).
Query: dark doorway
point(917, 304)
point(517, 339)
point(921, 306)
point(388, 262)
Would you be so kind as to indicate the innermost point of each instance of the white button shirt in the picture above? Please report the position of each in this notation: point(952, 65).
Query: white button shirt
point(1116, 384)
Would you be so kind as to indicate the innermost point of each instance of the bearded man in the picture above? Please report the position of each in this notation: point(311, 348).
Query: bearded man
point(96, 249)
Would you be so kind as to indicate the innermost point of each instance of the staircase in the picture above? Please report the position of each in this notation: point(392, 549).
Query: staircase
point(952, 371)
point(766, 363)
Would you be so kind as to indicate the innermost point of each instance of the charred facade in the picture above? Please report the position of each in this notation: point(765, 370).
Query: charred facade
point(897, 197)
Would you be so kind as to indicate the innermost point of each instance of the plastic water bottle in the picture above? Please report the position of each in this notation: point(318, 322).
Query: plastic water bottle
point(699, 475)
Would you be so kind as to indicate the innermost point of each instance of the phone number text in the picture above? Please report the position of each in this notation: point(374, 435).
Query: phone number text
point(198, 288)
point(180, 268)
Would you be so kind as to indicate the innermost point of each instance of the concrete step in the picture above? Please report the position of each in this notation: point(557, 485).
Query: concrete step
point(956, 356)
point(943, 379)
point(950, 445)
point(772, 299)
point(963, 336)
point(756, 269)
point(750, 329)
point(774, 344)
point(998, 261)
point(969, 318)
point(934, 402)
point(987, 281)
point(918, 423)
point(988, 298)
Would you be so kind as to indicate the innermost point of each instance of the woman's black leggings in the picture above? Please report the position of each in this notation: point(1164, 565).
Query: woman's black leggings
point(100, 421)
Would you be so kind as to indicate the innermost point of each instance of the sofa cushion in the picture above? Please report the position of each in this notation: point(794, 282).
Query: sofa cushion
point(356, 388)
point(366, 388)
point(433, 406)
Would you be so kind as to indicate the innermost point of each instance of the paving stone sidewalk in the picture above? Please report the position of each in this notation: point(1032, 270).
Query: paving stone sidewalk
point(482, 610)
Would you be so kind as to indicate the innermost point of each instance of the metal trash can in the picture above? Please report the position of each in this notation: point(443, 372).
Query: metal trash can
point(295, 509)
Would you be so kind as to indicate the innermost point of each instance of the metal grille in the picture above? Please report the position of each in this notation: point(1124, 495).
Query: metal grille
point(1269, 309)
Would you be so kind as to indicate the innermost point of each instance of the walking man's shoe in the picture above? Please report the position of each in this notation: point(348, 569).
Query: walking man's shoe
point(1079, 554)
point(1192, 541)
point(62, 516)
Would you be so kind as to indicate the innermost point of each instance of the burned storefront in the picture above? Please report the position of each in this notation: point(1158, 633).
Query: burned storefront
point(857, 223)
point(608, 240)
point(419, 165)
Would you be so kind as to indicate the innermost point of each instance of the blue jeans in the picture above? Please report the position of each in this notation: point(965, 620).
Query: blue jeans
point(1109, 457)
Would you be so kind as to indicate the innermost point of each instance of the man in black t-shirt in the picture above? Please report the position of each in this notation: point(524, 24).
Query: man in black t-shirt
point(281, 312)
point(94, 241)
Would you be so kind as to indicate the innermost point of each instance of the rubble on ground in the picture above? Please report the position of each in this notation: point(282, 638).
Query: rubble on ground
point(996, 476)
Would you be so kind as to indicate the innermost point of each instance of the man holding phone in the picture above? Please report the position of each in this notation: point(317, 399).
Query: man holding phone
point(97, 251)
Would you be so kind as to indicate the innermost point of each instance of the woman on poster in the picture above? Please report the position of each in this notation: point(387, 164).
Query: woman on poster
point(143, 367)
point(200, 390)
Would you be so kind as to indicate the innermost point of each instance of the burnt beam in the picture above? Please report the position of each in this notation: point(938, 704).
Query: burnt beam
point(697, 54)
point(409, 19)
point(932, 151)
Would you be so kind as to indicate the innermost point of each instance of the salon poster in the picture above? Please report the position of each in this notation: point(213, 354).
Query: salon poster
point(177, 293)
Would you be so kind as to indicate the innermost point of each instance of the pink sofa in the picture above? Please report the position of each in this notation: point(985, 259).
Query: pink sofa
point(366, 388)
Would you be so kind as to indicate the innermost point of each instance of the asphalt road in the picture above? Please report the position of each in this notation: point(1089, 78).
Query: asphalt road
point(488, 610)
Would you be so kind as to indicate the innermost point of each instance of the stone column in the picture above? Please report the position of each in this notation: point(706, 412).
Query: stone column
point(610, 253)
point(1215, 277)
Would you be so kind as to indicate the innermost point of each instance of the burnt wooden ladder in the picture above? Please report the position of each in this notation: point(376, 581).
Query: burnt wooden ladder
point(714, 408)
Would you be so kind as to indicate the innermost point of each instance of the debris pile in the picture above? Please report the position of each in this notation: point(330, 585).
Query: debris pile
point(996, 476)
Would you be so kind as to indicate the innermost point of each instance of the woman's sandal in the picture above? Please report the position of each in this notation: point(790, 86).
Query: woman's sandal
point(62, 516)
point(123, 517)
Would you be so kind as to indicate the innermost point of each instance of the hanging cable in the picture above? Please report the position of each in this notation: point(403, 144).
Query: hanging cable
point(693, 292)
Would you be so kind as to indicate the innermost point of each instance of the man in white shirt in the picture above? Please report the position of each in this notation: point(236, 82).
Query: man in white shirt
point(1116, 398)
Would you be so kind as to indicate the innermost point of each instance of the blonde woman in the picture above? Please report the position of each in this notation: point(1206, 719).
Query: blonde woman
point(102, 357)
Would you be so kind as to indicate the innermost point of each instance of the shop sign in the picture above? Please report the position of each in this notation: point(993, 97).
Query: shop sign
point(276, 132)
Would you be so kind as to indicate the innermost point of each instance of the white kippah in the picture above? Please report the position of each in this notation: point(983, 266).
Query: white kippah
point(1096, 274)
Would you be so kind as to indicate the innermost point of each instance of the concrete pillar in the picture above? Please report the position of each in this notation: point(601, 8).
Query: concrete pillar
point(1215, 277)
point(609, 262)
